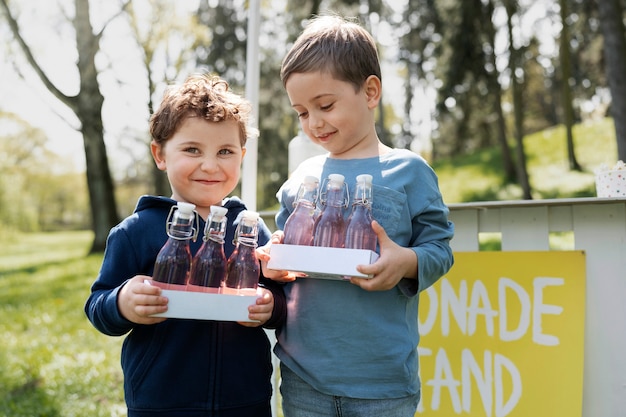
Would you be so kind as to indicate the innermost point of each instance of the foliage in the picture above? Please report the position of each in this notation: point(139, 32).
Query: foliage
point(38, 191)
point(86, 105)
point(478, 177)
point(450, 52)
point(52, 361)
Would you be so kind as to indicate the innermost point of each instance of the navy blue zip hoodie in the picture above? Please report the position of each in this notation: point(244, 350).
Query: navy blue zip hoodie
point(182, 367)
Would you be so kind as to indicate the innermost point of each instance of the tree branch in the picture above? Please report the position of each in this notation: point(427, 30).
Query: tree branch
point(70, 101)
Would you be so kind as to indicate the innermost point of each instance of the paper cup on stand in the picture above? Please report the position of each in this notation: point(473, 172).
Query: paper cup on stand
point(611, 183)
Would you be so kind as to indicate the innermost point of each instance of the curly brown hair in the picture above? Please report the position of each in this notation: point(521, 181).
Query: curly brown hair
point(205, 96)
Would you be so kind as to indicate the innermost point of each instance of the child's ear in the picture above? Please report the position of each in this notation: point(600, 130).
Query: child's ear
point(157, 155)
point(373, 90)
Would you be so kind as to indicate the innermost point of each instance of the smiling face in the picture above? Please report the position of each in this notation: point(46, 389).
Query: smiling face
point(334, 115)
point(202, 160)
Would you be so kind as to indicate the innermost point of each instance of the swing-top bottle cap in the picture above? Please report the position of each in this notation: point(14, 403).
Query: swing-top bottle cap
point(364, 178)
point(185, 210)
point(218, 211)
point(310, 179)
point(250, 215)
point(309, 184)
point(336, 178)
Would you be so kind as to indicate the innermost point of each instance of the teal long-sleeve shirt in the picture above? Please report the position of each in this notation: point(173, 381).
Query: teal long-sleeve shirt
point(342, 339)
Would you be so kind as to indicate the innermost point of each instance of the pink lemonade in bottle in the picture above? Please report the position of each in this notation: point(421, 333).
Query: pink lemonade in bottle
point(359, 232)
point(209, 265)
point(330, 226)
point(171, 268)
point(243, 265)
point(299, 226)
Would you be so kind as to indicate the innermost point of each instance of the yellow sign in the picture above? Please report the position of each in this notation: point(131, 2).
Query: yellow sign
point(502, 336)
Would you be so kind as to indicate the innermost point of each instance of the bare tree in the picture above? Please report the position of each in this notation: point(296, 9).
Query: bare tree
point(515, 67)
point(566, 74)
point(87, 106)
point(496, 89)
point(611, 14)
point(149, 43)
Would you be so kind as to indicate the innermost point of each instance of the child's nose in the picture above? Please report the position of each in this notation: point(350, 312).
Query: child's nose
point(209, 164)
point(315, 122)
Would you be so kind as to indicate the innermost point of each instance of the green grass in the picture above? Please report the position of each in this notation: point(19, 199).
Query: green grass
point(52, 361)
point(478, 177)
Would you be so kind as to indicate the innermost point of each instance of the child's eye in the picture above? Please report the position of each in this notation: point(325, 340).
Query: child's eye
point(328, 107)
point(192, 150)
point(224, 152)
point(303, 115)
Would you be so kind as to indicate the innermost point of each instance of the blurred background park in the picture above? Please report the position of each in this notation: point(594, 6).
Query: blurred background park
point(506, 99)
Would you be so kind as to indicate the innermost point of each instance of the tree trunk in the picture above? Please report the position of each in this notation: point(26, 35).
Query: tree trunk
point(159, 178)
point(566, 97)
point(407, 136)
point(99, 183)
point(496, 90)
point(88, 109)
point(160, 183)
point(87, 106)
point(611, 13)
point(514, 60)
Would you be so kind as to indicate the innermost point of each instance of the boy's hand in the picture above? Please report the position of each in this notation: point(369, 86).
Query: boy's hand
point(263, 254)
point(138, 300)
point(395, 262)
point(261, 310)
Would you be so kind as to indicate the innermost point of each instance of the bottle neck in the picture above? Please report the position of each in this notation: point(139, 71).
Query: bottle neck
point(309, 195)
point(247, 234)
point(360, 205)
point(334, 197)
point(180, 224)
point(363, 195)
point(305, 204)
point(248, 241)
point(215, 231)
point(181, 229)
point(217, 238)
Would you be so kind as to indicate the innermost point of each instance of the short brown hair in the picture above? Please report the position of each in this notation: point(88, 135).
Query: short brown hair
point(204, 96)
point(334, 44)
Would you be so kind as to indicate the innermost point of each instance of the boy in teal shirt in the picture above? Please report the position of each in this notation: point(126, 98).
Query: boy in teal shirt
point(349, 348)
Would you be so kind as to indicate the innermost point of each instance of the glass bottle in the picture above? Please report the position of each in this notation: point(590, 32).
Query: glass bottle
point(208, 267)
point(299, 225)
point(243, 264)
point(359, 232)
point(171, 268)
point(330, 226)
